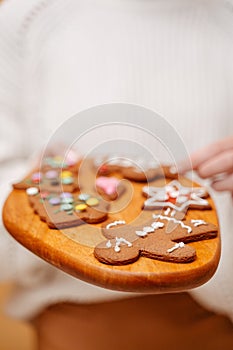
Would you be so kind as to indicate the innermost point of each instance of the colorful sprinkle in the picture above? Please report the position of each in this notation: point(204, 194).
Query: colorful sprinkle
point(67, 200)
point(56, 162)
point(66, 195)
point(107, 184)
point(51, 174)
point(84, 197)
point(91, 202)
point(67, 180)
point(32, 191)
point(80, 207)
point(54, 201)
point(36, 177)
point(66, 174)
point(103, 169)
point(66, 207)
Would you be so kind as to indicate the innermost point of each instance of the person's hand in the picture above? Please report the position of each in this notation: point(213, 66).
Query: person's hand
point(215, 162)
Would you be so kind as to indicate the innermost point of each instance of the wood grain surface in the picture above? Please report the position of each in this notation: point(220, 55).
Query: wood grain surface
point(71, 250)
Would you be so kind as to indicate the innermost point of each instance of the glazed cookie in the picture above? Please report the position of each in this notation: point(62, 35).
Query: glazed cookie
point(175, 196)
point(52, 180)
point(162, 238)
point(110, 188)
point(62, 210)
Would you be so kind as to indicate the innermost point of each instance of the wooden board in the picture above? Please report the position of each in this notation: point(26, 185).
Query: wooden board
point(71, 250)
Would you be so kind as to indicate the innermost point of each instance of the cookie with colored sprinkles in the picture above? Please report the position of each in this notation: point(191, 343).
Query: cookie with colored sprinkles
point(62, 210)
point(52, 180)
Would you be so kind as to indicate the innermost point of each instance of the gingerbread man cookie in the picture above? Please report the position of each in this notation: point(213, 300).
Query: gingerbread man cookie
point(175, 196)
point(62, 210)
point(162, 238)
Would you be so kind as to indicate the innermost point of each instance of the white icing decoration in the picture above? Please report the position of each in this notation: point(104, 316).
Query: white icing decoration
point(120, 241)
point(162, 197)
point(173, 170)
point(169, 188)
point(174, 194)
point(176, 246)
point(141, 233)
point(115, 223)
point(108, 244)
point(117, 248)
point(198, 222)
point(188, 228)
point(167, 211)
point(157, 225)
point(184, 191)
point(156, 196)
point(173, 213)
point(149, 229)
point(195, 197)
point(181, 199)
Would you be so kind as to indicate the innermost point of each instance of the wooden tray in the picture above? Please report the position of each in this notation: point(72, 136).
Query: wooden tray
point(71, 250)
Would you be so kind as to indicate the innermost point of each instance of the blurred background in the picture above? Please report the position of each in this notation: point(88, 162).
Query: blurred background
point(14, 334)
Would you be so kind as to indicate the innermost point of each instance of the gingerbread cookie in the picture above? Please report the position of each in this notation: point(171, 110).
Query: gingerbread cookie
point(138, 170)
point(162, 238)
point(110, 188)
point(62, 210)
point(52, 180)
point(175, 196)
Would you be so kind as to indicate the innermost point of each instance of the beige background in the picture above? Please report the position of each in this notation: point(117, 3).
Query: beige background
point(14, 335)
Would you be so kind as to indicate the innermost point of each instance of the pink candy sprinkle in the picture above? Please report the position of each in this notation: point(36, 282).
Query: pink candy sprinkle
point(107, 184)
point(51, 174)
point(65, 195)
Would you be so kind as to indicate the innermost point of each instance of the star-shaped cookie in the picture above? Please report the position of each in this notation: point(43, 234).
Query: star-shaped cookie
point(175, 196)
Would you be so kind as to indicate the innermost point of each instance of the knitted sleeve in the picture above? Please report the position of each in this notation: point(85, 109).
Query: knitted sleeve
point(13, 147)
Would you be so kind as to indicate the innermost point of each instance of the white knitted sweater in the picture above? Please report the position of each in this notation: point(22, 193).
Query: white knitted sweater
point(60, 57)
